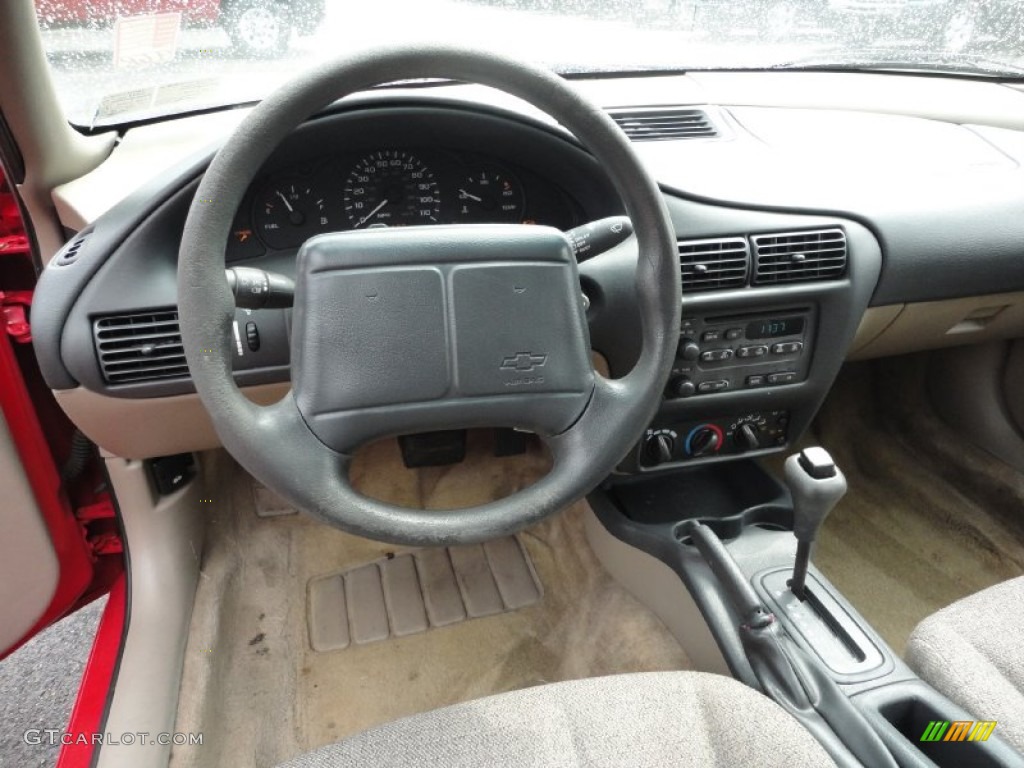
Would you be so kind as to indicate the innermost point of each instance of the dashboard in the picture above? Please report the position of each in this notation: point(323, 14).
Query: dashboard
point(806, 236)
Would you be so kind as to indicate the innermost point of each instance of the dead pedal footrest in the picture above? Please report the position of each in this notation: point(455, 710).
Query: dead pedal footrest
point(416, 591)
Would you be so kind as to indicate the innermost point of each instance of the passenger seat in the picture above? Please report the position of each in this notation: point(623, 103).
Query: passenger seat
point(973, 652)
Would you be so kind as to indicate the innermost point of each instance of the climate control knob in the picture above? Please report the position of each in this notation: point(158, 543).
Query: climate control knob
point(704, 441)
point(746, 438)
point(658, 449)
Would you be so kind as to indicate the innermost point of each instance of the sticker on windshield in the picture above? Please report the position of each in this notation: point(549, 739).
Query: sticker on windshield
point(146, 99)
point(151, 39)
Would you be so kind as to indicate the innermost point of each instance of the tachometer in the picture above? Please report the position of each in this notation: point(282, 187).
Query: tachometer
point(391, 188)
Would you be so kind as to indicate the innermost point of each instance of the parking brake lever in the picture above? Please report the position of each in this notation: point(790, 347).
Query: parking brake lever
point(793, 678)
point(740, 594)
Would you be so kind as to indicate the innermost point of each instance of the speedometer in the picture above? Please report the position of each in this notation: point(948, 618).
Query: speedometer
point(391, 188)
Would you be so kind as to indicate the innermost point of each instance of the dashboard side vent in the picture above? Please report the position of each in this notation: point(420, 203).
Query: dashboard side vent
point(664, 123)
point(799, 256)
point(142, 347)
point(714, 265)
point(69, 254)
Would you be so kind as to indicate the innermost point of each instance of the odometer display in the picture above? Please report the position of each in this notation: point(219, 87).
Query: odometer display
point(391, 188)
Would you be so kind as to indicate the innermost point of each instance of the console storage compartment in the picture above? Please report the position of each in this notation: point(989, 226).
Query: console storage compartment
point(922, 727)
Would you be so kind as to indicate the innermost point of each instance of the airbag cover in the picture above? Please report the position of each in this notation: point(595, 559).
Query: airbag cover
point(400, 331)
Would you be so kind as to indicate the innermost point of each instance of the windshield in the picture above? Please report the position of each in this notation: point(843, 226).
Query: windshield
point(116, 61)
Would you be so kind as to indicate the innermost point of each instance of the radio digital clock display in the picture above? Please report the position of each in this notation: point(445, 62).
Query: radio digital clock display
point(774, 327)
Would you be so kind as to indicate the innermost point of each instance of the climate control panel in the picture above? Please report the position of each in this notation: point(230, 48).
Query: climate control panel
point(753, 351)
point(678, 443)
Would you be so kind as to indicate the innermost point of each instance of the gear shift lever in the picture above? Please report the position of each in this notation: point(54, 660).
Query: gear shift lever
point(816, 485)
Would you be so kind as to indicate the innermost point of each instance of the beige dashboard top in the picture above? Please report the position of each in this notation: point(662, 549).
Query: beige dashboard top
point(147, 151)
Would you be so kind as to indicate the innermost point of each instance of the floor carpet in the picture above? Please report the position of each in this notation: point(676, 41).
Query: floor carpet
point(259, 693)
point(929, 518)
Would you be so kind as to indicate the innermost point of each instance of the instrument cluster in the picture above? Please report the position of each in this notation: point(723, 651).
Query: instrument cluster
point(392, 187)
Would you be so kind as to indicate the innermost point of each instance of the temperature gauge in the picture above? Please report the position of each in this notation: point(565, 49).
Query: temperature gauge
point(489, 196)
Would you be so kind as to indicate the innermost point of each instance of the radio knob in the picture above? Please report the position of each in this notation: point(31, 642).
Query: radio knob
point(746, 438)
point(681, 386)
point(658, 449)
point(688, 350)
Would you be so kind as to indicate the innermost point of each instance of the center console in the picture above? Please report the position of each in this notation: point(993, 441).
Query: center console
point(771, 305)
point(737, 539)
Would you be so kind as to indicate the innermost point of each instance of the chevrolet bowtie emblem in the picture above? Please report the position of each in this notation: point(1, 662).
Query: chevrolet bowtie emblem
point(523, 361)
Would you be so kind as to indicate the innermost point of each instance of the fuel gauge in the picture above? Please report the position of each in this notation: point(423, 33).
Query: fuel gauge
point(489, 196)
point(290, 212)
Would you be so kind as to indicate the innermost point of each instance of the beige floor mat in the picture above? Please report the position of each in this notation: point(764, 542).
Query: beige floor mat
point(928, 519)
point(259, 692)
point(424, 589)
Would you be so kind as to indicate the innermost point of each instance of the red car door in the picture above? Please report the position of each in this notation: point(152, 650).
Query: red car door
point(60, 540)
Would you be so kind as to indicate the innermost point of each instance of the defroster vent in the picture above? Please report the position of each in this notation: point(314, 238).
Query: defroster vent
point(714, 265)
point(140, 347)
point(799, 256)
point(664, 123)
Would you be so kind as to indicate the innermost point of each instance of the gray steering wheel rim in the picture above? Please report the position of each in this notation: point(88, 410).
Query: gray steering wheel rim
point(274, 444)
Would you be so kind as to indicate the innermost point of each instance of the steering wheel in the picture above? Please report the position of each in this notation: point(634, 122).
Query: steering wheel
point(405, 330)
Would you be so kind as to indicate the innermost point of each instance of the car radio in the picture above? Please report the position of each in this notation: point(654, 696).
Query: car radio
point(720, 354)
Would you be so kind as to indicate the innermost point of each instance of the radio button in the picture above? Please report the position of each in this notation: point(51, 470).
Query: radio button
point(713, 386)
point(755, 381)
point(756, 351)
point(715, 355)
point(712, 335)
point(733, 333)
point(782, 378)
point(787, 347)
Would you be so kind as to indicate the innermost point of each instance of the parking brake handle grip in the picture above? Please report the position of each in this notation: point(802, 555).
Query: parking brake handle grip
point(741, 595)
point(258, 289)
point(790, 676)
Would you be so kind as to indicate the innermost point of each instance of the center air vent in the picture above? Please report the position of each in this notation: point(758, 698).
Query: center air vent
point(142, 347)
point(711, 265)
point(799, 256)
point(664, 123)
